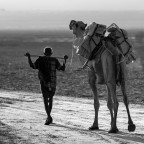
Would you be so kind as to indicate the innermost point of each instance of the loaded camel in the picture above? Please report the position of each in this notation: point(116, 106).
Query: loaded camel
point(104, 72)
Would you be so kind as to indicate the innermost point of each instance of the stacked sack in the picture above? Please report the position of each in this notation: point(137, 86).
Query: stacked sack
point(92, 38)
point(120, 37)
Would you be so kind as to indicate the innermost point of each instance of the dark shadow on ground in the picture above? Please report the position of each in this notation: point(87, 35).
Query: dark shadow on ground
point(121, 135)
point(13, 100)
point(7, 135)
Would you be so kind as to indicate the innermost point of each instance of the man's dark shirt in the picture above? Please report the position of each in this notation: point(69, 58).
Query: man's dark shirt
point(47, 67)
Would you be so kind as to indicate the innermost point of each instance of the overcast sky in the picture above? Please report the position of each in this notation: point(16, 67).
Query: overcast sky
point(26, 14)
point(62, 5)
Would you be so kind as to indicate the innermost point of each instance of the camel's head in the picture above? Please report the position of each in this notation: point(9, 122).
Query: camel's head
point(78, 27)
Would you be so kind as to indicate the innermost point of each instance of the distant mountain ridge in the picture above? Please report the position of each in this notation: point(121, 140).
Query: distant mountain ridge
point(60, 20)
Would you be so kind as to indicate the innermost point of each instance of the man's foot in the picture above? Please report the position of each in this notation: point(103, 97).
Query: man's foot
point(48, 121)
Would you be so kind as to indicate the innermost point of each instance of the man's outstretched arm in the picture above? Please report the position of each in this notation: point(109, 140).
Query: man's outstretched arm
point(63, 67)
point(59, 66)
point(29, 60)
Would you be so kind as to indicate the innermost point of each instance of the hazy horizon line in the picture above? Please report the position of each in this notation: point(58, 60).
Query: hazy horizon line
point(43, 20)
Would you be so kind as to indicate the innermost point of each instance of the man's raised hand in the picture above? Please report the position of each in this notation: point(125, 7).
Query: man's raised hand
point(27, 54)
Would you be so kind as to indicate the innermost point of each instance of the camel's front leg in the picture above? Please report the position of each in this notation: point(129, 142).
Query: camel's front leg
point(92, 82)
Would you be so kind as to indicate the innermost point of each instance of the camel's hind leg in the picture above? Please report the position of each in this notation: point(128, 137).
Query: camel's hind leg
point(131, 126)
point(113, 106)
point(92, 83)
point(110, 80)
point(110, 105)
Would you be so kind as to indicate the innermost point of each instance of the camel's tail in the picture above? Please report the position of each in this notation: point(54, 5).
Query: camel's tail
point(121, 74)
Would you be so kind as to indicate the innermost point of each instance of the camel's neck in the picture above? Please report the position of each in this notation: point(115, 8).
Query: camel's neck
point(80, 34)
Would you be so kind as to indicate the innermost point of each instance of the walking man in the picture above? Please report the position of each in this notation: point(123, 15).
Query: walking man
point(47, 67)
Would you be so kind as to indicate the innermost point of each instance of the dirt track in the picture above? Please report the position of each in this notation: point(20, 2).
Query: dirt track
point(22, 118)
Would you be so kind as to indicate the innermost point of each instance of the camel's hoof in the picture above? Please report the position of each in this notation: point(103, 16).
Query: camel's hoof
point(93, 128)
point(131, 127)
point(113, 130)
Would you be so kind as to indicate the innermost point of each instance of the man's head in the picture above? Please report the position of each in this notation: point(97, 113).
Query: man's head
point(48, 51)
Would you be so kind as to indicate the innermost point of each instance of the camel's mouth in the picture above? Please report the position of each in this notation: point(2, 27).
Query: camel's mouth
point(72, 23)
point(79, 24)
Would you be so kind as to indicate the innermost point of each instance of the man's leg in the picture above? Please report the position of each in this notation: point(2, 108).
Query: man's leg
point(46, 95)
point(47, 108)
point(51, 99)
point(50, 104)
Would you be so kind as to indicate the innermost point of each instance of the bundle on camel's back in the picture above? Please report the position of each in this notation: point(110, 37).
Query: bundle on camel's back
point(106, 61)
